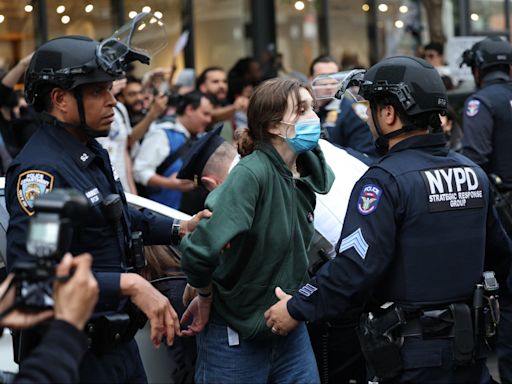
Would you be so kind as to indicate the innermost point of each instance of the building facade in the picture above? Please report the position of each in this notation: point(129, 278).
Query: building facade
point(355, 32)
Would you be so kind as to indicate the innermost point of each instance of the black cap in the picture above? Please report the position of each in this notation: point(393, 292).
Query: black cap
point(198, 155)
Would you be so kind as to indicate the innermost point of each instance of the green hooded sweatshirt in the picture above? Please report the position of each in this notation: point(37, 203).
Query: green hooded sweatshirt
point(257, 238)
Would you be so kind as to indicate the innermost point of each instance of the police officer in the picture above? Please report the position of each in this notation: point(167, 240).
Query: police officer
point(69, 79)
point(415, 234)
point(488, 112)
point(487, 138)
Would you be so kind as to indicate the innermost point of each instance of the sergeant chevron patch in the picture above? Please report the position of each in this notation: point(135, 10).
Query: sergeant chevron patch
point(356, 241)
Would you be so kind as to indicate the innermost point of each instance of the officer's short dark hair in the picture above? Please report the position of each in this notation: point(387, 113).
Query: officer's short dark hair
point(201, 79)
point(434, 46)
point(192, 98)
point(320, 59)
point(422, 120)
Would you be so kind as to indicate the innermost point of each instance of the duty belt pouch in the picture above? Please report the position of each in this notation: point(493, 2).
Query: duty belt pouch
point(108, 332)
point(137, 321)
point(381, 353)
point(463, 343)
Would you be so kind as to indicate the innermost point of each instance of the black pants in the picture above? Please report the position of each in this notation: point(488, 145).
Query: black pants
point(120, 365)
point(338, 353)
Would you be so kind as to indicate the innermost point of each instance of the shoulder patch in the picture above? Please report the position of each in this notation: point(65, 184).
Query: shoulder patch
point(472, 108)
point(32, 184)
point(369, 199)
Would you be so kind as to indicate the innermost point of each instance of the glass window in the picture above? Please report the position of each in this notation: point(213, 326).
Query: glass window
point(400, 26)
point(220, 32)
point(16, 32)
point(88, 18)
point(297, 34)
point(487, 16)
point(348, 24)
point(169, 12)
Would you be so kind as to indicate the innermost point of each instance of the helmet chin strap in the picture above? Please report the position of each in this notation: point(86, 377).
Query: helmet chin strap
point(77, 92)
point(382, 141)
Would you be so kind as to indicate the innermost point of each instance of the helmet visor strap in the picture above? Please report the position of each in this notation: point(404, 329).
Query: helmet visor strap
point(81, 113)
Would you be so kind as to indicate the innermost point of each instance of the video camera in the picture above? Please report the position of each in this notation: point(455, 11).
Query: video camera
point(49, 237)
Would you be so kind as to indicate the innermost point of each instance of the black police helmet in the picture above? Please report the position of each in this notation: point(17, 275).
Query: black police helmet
point(488, 52)
point(65, 62)
point(414, 82)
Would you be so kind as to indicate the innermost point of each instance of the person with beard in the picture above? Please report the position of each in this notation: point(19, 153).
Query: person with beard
point(213, 81)
point(131, 96)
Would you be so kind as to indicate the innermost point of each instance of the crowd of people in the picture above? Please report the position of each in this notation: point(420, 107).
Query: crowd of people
point(340, 239)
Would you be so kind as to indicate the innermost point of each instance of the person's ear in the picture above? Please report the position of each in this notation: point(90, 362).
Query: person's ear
point(60, 99)
point(209, 183)
point(275, 129)
point(389, 114)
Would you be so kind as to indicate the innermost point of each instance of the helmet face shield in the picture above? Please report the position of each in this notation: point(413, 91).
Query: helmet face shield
point(139, 39)
point(337, 85)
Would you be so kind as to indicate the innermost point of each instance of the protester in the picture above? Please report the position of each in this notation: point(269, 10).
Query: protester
point(258, 235)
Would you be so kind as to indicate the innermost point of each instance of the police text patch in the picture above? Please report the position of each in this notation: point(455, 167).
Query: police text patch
point(472, 108)
point(369, 199)
point(453, 188)
point(32, 184)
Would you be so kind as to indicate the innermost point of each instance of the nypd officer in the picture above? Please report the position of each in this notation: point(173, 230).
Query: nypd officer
point(70, 79)
point(488, 112)
point(487, 138)
point(414, 238)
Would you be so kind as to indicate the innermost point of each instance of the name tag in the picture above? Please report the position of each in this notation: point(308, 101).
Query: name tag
point(94, 196)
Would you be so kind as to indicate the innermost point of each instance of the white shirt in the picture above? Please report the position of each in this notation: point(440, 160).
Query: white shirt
point(116, 143)
point(331, 208)
point(154, 150)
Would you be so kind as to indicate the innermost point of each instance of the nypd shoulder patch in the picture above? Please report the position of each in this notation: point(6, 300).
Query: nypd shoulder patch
point(369, 199)
point(473, 108)
point(32, 184)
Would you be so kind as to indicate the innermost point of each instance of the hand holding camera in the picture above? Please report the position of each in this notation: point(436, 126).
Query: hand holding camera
point(75, 293)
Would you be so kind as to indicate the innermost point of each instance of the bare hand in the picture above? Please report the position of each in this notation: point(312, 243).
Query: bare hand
point(158, 309)
point(188, 226)
point(241, 103)
point(199, 311)
point(18, 319)
point(75, 299)
point(182, 185)
point(118, 85)
point(159, 106)
point(188, 294)
point(277, 316)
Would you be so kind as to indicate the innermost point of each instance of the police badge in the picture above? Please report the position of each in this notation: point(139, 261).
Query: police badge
point(32, 184)
point(369, 199)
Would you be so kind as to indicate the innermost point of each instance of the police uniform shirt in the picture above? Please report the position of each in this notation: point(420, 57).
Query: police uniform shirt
point(415, 233)
point(487, 119)
point(53, 158)
point(350, 131)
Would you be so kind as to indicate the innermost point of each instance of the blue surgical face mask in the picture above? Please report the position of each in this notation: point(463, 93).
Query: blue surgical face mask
point(307, 134)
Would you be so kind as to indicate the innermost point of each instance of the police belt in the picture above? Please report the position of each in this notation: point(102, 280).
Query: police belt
point(112, 330)
point(432, 324)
